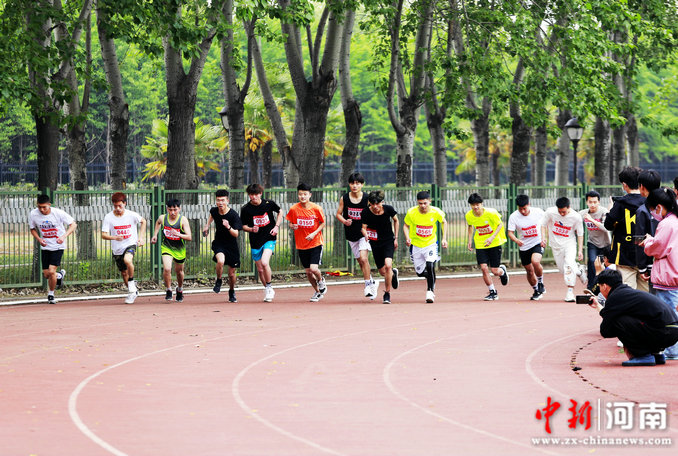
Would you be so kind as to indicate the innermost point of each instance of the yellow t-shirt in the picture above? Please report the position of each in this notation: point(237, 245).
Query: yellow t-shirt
point(485, 226)
point(423, 227)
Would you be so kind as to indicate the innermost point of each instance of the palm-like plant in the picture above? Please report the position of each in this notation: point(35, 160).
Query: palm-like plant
point(209, 141)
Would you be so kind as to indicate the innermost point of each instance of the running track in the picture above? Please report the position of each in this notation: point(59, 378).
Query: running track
point(345, 376)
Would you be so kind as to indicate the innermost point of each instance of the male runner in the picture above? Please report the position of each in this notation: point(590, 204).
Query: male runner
point(175, 232)
point(526, 222)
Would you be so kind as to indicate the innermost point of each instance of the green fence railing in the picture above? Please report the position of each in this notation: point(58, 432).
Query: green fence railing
point(88, 257)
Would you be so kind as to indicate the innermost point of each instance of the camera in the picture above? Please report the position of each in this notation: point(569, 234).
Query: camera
point(638, 238)
point(601, 258)
point(583, 299)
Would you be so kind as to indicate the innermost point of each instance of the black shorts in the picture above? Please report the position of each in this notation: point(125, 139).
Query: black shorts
point(231, 253)
point(119, 260)
point(311, 256)
point(526, 256)
point(51, 258)
point(491, 256)
point(382, 250)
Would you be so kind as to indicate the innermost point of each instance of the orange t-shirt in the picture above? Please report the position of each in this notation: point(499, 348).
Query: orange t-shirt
point(309, 220)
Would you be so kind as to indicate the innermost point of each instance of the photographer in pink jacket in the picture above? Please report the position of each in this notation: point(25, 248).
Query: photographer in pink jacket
point(664, 248)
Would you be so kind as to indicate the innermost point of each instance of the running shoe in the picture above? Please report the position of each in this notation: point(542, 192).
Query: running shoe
point(269, 294)
point(387, 298)
point(60, 277)
point(131, 297)
point(180, 296)
point(322, 286)
point(582, 275)
point(493, 296)
point(504, 278)
point(541, 288)
point(51, 299)
point(430, 296)
point(132, 287)
point(375, 289)
point(231, 296)
point(536, 296)
point(217, 285)
point(368, 290)
point(569, 297)
point(317, 296)
point(394, 278)
point(168, 295)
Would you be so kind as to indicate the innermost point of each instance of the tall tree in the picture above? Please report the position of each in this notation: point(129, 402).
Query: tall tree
point(314, 92)
point(352, 116)
point(118, 117)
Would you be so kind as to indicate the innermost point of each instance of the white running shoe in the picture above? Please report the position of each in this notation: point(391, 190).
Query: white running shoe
point(583, 278)
point(430, 296)
point(569, 297)
point(132, 286)
point(375, 289)
point(317, 296)
point(322, 286)
point(368, 290)
point(131, 297)
point(269, 295)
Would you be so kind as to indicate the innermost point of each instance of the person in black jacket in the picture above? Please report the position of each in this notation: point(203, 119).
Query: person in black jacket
point(621, 220)
point(640, 320)
point(648, 180)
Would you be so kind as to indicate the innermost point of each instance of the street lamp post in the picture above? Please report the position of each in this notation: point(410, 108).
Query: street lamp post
point(574, 132)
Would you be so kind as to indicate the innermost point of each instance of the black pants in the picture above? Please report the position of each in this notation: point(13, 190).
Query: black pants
point(640, 339)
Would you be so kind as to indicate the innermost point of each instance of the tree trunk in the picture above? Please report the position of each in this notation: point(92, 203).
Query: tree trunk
point(267, 164)
point(480, 126)
point(235, 98)
point(633, 142)
point(118, 116)
point(563, 151)
point(618, 151)
point(540, 147)
point(47, 138)
point(602, 152)
point(352, 116)
point(181, 97)
point(434, 122)
point(522, 134)
point(253, 157)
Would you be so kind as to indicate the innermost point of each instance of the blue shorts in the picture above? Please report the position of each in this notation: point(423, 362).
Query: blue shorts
point(257, 253)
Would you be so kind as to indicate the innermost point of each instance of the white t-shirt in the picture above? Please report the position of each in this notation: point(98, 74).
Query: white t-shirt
point(126, 226)
point(563, 231)
point(527, 227)
point(50, 226)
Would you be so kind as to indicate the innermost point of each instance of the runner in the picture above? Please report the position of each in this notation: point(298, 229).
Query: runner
point(419, 229)
point(559, 227)
point(120, 227)
point(225, 244)
point(526, 221)
point(599, 237)
point(380, 228)
point(308, 221)
point(259, 219)
point(350, 207)
point(175, 232)
point(488, 238)
point(46, 224)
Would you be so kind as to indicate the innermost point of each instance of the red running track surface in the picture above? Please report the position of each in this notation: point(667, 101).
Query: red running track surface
point(344, 376)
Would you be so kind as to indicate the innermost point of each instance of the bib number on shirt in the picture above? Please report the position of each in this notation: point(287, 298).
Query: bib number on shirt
point(306, 223)
point(424, 230)
point(371, 234)
point(530, 231)
point(261, 220)
point(484, 230)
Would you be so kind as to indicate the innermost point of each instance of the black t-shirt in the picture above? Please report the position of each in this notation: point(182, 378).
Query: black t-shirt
point(262, 216)
point(379, 227)
point(352, 211)
point(223, 236)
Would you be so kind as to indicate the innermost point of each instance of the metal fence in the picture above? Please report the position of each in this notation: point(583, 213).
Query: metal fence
point(88, 258)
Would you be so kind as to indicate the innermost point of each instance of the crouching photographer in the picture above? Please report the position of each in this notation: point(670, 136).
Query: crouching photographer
point(640, 320)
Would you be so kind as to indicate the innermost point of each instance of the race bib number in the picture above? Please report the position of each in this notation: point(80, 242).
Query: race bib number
point(371, 234)
point(261, 220)
point(306, 222)
point(354, 213)
point(530, 231)
point(591, 226)
point(171, 233)
point(124, 230)
point(484, 230)
point(561, 230)
point(49, 233)
point(424, 231)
